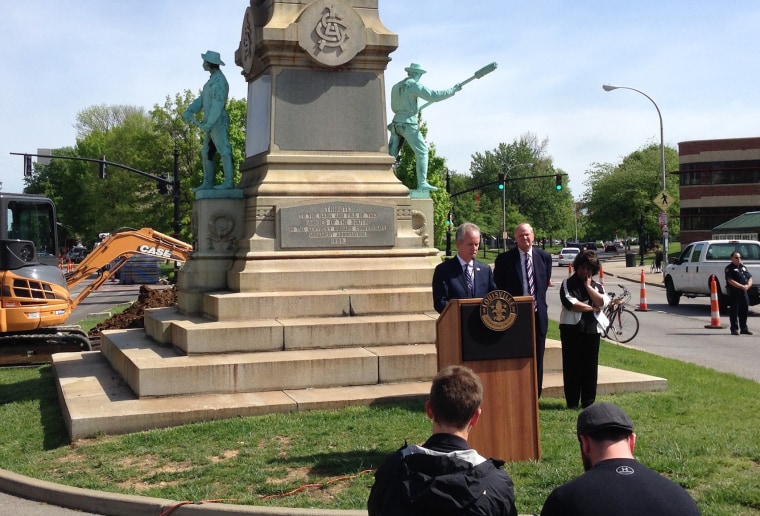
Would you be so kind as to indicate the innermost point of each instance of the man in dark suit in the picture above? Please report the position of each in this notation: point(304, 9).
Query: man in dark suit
point(511, 274)
point(450, 279)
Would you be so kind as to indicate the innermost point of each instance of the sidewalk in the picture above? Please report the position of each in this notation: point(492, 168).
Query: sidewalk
point(615, 267)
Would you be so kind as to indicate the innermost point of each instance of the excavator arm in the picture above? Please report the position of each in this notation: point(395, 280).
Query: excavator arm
point(116, 249)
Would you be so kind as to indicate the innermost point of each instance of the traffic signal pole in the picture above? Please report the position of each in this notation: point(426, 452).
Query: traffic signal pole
point(501, 181)
point(161, 181)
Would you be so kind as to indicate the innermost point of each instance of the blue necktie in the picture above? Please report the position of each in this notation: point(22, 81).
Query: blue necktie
point(468, 277)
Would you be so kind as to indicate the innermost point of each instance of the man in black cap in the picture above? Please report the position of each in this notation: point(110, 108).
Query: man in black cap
point(615, 483)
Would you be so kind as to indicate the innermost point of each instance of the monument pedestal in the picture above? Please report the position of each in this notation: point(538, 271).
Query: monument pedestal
point(217, 225)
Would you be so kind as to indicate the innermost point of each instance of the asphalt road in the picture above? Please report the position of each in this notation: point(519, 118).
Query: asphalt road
point(678, 331)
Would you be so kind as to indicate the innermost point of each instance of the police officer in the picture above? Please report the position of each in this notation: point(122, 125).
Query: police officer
point(738, 282)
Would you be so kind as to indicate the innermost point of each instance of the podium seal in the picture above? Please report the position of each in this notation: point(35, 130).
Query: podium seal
point(498, 310)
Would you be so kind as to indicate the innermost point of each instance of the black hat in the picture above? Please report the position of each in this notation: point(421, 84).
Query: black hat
point(603, 416)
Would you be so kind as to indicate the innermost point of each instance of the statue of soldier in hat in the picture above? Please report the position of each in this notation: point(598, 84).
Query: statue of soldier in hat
point(215, 123)
point(405, 124)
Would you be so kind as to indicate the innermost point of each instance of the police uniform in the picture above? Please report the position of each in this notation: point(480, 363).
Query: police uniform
point(739, 299)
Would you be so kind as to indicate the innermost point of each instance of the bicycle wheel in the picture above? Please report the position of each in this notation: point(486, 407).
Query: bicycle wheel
point(624, 326)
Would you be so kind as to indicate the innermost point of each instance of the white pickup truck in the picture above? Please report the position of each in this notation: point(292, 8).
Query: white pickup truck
point(689, 274)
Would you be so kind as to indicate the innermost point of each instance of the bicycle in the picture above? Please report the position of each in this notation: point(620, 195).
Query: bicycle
point(624, 325)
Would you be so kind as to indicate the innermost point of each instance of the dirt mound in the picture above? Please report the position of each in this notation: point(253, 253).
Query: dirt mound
point(132, 317)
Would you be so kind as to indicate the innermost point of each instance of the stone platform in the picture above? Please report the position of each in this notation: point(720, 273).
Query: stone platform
point(98, 399)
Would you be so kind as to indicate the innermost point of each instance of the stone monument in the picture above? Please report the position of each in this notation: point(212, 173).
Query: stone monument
point(313, 289)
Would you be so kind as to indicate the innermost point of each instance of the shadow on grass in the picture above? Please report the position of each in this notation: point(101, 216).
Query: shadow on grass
point(42, 390)
point(333, 464)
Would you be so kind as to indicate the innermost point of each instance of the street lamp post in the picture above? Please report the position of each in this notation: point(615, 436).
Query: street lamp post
point(609, 87)
point(504, 203)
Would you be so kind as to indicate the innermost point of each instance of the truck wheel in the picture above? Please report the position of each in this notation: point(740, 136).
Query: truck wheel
point(673, 296)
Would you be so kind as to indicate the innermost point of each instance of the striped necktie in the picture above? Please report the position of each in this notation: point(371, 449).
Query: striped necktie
point(468, 278)
point(529, 277)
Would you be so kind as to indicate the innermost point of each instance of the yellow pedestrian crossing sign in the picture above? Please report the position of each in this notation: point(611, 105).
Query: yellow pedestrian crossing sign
point(663, 200)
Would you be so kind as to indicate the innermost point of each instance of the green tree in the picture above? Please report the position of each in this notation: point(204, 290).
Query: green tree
point(619, 196)
point(129, 136)
point(527, 197)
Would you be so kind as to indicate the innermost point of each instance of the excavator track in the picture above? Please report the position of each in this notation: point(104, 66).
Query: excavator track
point(37, 347)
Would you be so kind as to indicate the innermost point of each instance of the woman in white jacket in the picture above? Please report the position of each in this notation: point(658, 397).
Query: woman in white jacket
point(583, 301)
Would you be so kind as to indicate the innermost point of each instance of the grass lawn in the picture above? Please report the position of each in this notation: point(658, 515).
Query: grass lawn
point(702, 433)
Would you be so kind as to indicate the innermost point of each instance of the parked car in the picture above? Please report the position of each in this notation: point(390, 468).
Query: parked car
point(77, 254)
point(590, 246)
point(567, 256)
point(609, 247)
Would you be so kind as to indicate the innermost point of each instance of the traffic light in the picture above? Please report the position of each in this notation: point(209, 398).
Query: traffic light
point(27, 165)
point(102, 171)
point(501, 181)
point(163, 188)
point(558, 182)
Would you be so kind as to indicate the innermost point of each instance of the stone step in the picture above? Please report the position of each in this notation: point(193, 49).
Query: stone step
point(96, 401)
point(152, 370)
point(328, 270)
point(241, 306)
point(198, 335)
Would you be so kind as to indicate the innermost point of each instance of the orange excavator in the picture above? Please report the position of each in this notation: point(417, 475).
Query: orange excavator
point(35, 293)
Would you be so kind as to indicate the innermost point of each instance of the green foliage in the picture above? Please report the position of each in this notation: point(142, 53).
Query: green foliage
point(618, 195)
point(129, 136)
point(527, 198)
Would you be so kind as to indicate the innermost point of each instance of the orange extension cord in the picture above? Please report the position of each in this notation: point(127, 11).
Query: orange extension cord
point(174, 507)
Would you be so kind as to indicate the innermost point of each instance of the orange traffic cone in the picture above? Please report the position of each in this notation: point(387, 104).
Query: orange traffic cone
point(601, 276)
point(569, 270)
point(714, 306)
point(643, 295)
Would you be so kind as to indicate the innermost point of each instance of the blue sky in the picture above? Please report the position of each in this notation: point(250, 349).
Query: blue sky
point(697, 59)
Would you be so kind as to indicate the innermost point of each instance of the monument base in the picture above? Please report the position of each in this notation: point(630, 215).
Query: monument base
point(217, 225)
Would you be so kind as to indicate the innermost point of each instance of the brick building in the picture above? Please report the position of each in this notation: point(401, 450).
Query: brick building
point(719, 180)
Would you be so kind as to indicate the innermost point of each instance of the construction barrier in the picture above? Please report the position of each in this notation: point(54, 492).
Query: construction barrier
point(714, 306)
point(643, 295)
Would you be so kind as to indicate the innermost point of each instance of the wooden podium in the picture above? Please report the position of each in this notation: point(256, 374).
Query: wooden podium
point(505, 361)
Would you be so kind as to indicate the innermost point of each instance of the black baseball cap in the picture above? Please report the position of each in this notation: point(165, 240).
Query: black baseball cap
point(603, 416)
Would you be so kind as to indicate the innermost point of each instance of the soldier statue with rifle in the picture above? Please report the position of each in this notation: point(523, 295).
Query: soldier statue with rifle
point(405, 124)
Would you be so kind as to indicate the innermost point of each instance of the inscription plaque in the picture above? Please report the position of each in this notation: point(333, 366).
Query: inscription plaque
point(337, 225)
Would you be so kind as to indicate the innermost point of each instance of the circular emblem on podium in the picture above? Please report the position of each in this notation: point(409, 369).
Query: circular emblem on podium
point(498, 310)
